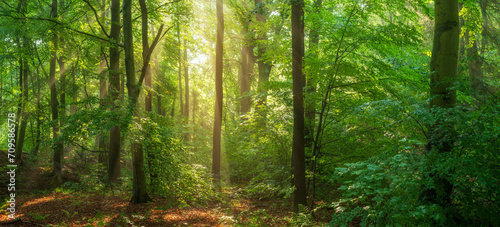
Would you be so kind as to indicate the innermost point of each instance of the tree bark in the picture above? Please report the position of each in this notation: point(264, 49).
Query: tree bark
point(443, 69)
point(186, 83)
point(58, 146)
point(181, 104)
point(245, 82)
point(38, 113)
point(310, 107)
point(145, 49)
point(140, 194)
point(263, 63)
point(23, 84)
point(114, 91)
point(311, 83)
point(219, 51)
point(102, 157)
point(476, 75)
point(148, 106)
point(298, 149)
point(160, 108)
point(24, 71)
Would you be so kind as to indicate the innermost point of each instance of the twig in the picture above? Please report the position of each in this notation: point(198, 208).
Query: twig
point(96, 17)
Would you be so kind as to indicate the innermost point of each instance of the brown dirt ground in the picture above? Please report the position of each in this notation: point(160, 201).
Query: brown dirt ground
point(37, 204)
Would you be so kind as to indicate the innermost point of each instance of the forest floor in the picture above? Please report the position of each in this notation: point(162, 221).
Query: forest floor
point(39, 204)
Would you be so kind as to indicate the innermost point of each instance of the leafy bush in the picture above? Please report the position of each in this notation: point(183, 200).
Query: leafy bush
point(387, 189)
point(170, 171)
point(260, 156)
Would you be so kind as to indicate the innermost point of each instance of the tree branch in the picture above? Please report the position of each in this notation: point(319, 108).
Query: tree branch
point(96, 18)
point(62, 25)
point(162, 5)
point(150, 51)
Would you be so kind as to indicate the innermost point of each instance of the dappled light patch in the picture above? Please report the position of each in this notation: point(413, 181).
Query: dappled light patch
point(95, 208)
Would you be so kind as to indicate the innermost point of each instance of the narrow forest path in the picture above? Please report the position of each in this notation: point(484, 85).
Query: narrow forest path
point(39, 204)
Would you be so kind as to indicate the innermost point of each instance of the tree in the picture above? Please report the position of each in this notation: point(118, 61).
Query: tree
point(247, 56)
point(298, 149)
point(114, 91)
point(262, 61)
point(310, 110)
point(140, 194)
point(443, 69)
point(186, 83)
point(219, 51)
point(310, 107)
point(181, 103)
point(58, 146)
point(24, 70)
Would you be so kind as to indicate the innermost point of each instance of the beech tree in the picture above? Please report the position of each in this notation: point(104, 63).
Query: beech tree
point(443, 68)
point(263, 62)
point(114, 91)
point(298, 149)
point(58, 147)
point(24, 71)
point(219, 51)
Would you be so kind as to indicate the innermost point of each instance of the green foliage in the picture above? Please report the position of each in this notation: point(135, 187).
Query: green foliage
point(255, 218)
point(39, 217)
point(260, 156)
point(387, 189)
point(174, 175)
point(301, 218)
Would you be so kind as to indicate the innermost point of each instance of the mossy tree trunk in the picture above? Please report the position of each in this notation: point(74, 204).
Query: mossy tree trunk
point(443, 98)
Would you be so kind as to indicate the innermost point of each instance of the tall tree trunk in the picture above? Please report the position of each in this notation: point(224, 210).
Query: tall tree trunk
point(443, 77)
point(444, 62)
point(155, 70)
point(62, 92)
point(187, 136)
point(181, 104)
point(160, 108)
point(23, 115)
point(114, 91)
point(19, 107)
point(310, 109)
point(58, 147)
point(263, 63)
point(140, 194)
point(62, 80)
point(172, 109)
point(244, 81)
point(74, 95)
point(311, 80)
point(247, 65)
point(298, 149)
point(148, 107)
point(147, 80)
point(38, 114)
point(194, 106)
point(476, 75)
point(102, 157)
point(186, 82)
point(23, 84)
point(217, 132)
point(485, 33)
point(475, 62)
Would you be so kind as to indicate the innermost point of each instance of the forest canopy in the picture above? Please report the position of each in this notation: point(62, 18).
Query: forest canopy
point(303, 112)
